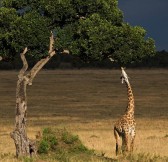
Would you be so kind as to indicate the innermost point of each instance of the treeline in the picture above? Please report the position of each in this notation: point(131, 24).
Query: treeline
point(160, 60)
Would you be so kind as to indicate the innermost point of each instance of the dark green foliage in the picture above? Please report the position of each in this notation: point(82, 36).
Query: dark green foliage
point(7, 18)
point(73, 141)
point(59, 140)
point(61, 145)
point(48, 141)
point(91, 30)
point(43, 146)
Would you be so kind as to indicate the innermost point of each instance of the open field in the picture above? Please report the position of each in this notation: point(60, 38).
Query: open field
point(87, 102)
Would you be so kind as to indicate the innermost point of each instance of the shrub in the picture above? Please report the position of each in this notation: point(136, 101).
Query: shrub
point(48, 141)
point(61, 145)
point(43, 147)
point(68, 138)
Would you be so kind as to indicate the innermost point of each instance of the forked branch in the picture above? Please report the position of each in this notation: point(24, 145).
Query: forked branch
point(43, 61)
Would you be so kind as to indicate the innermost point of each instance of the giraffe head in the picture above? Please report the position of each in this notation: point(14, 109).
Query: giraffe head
point(124, 76)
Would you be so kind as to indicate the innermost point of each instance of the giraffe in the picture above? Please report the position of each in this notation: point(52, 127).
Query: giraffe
point(125, 126)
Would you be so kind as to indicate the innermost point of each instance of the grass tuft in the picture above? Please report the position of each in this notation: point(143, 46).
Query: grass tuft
point(68, 138)
point(143, 157)
point(166, 136)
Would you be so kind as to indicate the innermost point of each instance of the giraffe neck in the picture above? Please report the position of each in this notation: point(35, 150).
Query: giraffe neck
point(130, 106)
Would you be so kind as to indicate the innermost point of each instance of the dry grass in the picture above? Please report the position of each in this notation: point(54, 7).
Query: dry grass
point(87, 102)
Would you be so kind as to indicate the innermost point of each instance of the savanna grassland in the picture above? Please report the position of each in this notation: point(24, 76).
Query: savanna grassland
point(87, 102)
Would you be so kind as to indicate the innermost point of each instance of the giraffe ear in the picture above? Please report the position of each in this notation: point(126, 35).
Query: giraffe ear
point(122, 80)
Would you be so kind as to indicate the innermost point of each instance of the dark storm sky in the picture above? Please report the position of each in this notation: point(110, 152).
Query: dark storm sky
point(152, 15)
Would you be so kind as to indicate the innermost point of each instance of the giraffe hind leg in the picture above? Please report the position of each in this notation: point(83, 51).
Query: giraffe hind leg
point(116, 148)
point(117, 141)
point(124, 143)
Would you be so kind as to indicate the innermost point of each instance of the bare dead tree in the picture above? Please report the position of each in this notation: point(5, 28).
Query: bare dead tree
point(24, 146)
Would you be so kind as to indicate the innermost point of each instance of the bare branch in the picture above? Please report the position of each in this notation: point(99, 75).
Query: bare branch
point(38, 66)
point(65, 51)
point(1, 58)
point(51, 46)
point(25, 64)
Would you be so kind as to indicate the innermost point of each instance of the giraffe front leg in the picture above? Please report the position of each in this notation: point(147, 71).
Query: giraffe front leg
point(132, 141)
point(125, 143)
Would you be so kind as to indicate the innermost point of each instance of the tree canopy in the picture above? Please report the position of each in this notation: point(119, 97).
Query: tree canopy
point(91, 30)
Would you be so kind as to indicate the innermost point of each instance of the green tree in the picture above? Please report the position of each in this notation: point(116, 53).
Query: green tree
point(18, 32)
point(7, 17)
point(91, 30)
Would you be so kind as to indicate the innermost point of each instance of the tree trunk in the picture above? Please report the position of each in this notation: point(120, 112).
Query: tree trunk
point(24, 146)
point(19, 135)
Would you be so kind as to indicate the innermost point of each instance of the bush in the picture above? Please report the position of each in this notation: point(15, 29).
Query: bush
point(61, 145)
point(57, 140)
point(48, 141)
point(68, 138)
point(43, 147)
